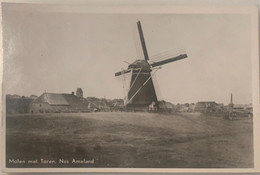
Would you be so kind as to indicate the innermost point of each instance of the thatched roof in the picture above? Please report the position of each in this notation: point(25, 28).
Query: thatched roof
point(57, 99)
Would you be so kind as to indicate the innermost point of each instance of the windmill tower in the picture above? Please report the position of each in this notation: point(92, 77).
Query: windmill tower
point(141, 92)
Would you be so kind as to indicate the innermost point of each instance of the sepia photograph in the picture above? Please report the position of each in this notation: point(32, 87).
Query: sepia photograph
point(137, 89)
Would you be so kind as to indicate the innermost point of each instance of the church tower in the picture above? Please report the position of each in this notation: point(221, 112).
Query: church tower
point(79, 93)
point(231, 105)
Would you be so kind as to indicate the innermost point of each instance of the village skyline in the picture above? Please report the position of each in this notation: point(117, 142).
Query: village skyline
point(34, 96)
point(66, 50)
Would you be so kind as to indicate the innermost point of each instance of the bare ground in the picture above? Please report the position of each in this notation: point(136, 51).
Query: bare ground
point(140, 140)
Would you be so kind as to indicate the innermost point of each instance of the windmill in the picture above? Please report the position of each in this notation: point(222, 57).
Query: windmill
point(141, 92)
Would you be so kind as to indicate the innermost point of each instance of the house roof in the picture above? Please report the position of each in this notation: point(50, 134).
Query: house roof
point(57, 99)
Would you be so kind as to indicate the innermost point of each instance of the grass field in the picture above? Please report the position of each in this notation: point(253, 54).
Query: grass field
point(120, 139)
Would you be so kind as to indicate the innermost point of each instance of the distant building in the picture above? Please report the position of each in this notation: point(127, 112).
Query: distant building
point(243, 106)
point(191, 107)
point(165, 106)
point(208, 106)
point(248, 106)
point(54, 102)
point(33, 96)
point(182, 107)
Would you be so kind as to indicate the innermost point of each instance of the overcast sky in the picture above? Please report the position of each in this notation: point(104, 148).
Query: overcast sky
point(46, 49)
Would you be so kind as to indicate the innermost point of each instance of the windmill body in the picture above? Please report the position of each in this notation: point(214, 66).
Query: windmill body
point(141, 91)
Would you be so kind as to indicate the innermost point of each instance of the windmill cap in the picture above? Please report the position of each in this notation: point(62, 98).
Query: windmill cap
point(139, 64)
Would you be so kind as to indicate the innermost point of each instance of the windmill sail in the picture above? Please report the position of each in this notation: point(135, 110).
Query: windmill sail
point(142, 40)
point(156, 86)
point(169, 60)
point(125, 79)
